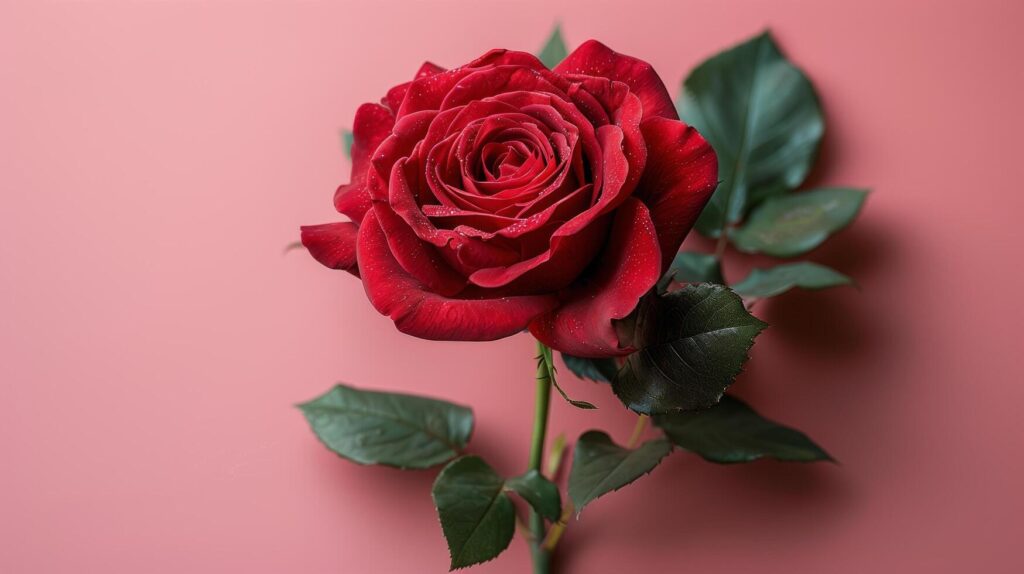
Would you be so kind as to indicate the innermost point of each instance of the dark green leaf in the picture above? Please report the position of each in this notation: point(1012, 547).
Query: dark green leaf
point(541, 493)
point(405, 431)
point(477, 517)
point(762, 116)
point(346, 142)
point(599, 466)
point(794, 224)
point(554, 50)
point(693, 267)
point(690, 345)
point(732, 432)
point(599, 370)
point(782, 278)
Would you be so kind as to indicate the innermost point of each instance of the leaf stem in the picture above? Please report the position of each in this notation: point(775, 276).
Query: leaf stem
point(558, 528)
point(638, 431)
point(545, 378)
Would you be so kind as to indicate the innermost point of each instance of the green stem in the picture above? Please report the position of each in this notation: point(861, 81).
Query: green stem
point(545, 377)
point(638, 431)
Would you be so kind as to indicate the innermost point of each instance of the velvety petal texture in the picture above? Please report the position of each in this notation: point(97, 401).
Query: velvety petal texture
point(332, 244)
point(629, 268)
point(501, 196)
point(372, 125)
point(681, 175)
point(421, 313)
point(593, 58)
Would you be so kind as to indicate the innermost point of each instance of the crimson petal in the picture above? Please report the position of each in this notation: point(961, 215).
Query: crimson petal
point(681, 175)
point(332, 244)
point(372, 124)
point(593, 58)
point(430, 316)
point(427, 93)
point(627, 270)
point(395, 95)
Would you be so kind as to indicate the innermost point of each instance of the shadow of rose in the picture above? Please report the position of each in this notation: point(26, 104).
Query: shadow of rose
point(689, 503)
point(835, 321)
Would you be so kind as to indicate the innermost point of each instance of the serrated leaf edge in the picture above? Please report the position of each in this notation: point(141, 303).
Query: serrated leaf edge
point(671, 447)
point(437, 514)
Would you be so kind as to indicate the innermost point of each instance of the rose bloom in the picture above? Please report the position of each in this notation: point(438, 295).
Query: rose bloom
point(501, 196)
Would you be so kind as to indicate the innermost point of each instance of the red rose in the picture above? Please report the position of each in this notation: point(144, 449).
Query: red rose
point(502, 195)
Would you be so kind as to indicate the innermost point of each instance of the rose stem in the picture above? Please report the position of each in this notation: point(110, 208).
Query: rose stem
point(558, 528)
point(545, 375)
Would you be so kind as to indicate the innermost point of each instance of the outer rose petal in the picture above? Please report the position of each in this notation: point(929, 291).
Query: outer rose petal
point(333, 244)
point(427, 93)
point(430, 316)
point(593, 58)
point(629, 267)
point(372, 124)
point(396, 94)
point(681, 175)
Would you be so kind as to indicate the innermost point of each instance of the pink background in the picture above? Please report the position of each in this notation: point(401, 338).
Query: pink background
point(156, 157)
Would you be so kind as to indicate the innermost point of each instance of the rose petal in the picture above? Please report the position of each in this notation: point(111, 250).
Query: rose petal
point(593, 58)
point(626, 111)
point(552, 269)
point(428, 92)
point(496, 80)
point(396, 94)
point(372, 124)
point(405, 136)
point(417, 258)
point(681, 175)
point(430, 316)
point(332, 244)
point(573, 244)
point(628, 269)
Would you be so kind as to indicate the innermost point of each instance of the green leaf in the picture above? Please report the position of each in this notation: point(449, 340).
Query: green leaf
point(404, 431)
point(541, 493)
point(782, 278)
point(690, 345)
point(346, 142)
point(554, 50)
point(732, 432)
point(693, 267)
point(477, 517)
point(599, 466)
point(598, 370)
point(794, 224)
point(762, 116)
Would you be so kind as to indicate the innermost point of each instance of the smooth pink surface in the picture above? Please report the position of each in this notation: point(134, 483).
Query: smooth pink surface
point(156, 158)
